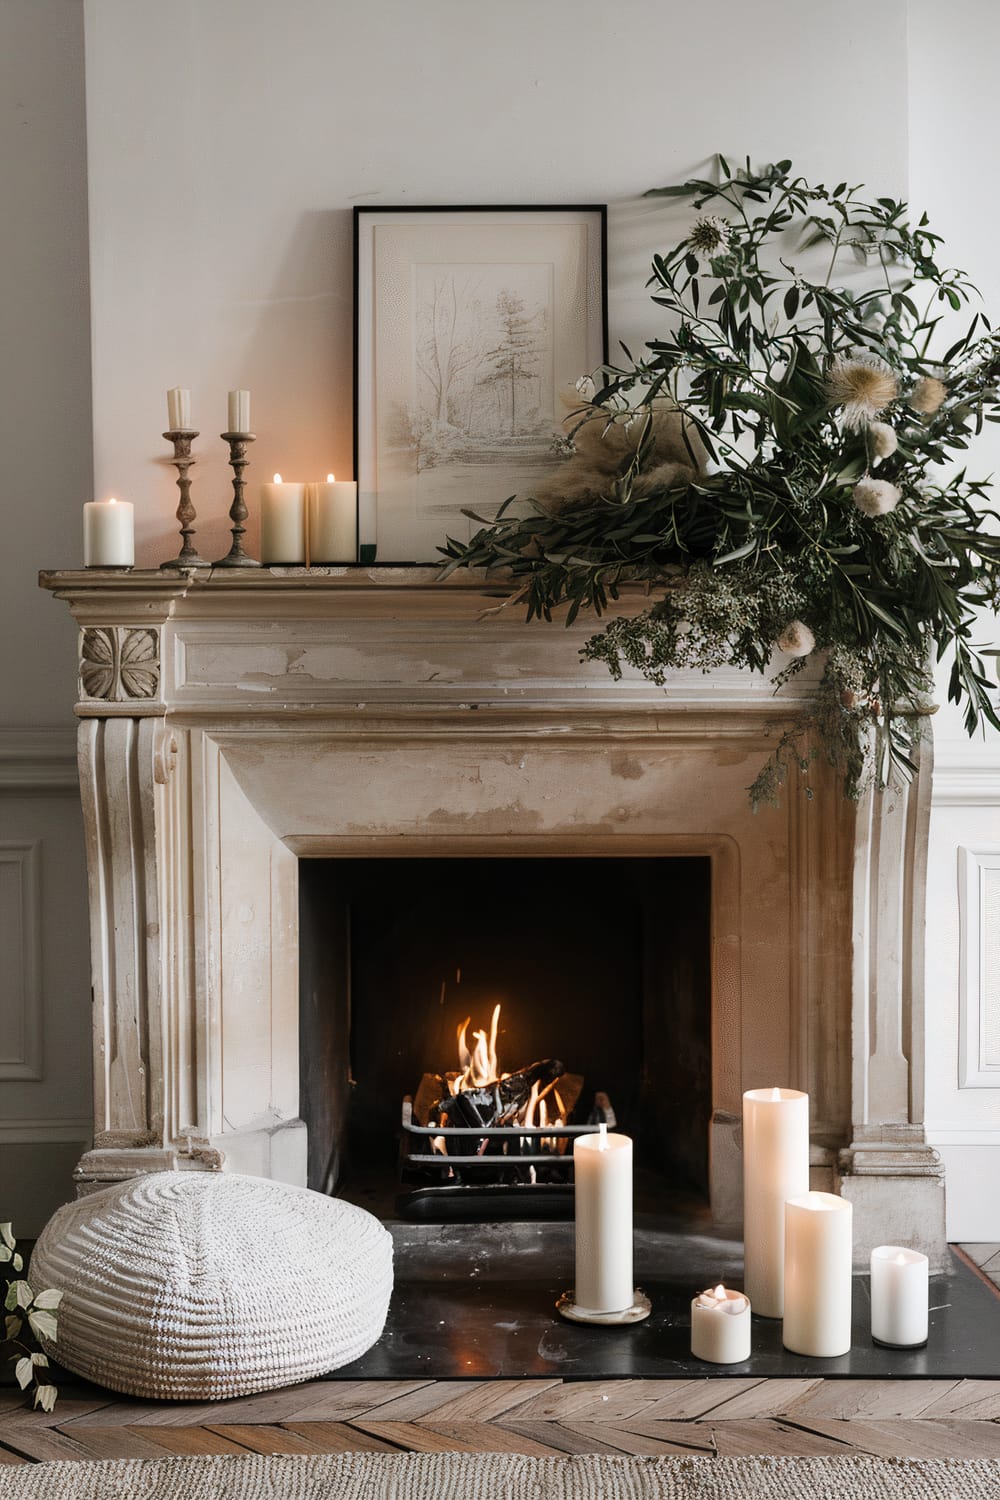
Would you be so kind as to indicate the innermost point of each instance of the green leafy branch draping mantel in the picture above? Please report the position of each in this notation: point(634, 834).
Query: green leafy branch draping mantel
point(779, 469)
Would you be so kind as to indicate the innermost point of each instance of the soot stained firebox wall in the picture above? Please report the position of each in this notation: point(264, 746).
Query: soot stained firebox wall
point(603, 963)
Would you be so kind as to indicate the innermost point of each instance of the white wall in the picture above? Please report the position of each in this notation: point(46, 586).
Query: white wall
point(45, 1083)
point(228, 145)
point(954, 121)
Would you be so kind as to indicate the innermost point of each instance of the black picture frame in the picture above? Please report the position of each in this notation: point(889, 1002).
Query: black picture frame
point(413, 462)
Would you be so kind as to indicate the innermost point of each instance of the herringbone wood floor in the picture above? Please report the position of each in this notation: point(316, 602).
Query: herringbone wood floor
point(913, 1418)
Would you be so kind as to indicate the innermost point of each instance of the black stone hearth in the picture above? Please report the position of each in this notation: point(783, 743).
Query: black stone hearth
point(484, 1308)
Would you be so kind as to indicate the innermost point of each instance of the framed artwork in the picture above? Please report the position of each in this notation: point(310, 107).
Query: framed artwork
point(470, 325)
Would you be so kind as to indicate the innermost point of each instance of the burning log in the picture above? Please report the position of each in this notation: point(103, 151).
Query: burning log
point(500, 1102)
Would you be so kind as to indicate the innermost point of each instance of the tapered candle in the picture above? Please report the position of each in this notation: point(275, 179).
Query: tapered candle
point(178, 409)
point(720, 1327)
point(899, 1296)
point(333, 521)
point(602, 1171)
point(108, 534)
point(775, 1167)
point(818, 1257)
point(239, 411)
point(282, 522)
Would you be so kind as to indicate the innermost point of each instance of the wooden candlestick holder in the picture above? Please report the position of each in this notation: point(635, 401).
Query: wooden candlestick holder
point(187, 557)
point(236, 557)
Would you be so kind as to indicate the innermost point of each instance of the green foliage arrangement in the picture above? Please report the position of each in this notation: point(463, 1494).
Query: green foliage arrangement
point(30, 1315)
point(829, 515)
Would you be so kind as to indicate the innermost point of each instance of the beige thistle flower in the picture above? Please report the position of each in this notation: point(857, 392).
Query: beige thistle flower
point(862, 387)
point(882, 440)
point(927, 395)
point(796, 639)
point(876, 497)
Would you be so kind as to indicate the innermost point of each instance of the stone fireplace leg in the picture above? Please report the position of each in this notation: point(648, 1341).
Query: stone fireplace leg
point(892, 1176)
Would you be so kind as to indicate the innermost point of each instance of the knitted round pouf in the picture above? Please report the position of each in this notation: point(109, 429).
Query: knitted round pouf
point(195, 1285)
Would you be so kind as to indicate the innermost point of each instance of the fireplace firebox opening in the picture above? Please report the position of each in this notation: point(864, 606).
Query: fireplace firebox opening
point(601, 969)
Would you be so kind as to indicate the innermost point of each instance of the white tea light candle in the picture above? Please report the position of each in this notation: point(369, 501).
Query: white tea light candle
point(282, 522)
point(775, 1168)
point(178, 409)
point(108, 534)
point(899, 1292)
point(333, 521)
point(818, 1256)
point(720, 1326)
point(239, 411)
point(602, 1171)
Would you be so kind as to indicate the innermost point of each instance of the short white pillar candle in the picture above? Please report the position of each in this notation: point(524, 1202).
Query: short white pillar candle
point(108, 534)
point(775, 1168)
point(333, 521)
point(178, 409)
point(239, 411)
point(602, 1172)
point(720, 1326)
point(282, 522)
point(818, 1263)
point(899, 1294)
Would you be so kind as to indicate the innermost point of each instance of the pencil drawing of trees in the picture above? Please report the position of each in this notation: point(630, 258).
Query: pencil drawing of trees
point(517, 357)
point(450, 346)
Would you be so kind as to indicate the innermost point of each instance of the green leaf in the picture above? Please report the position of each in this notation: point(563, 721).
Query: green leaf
point(12, 1327)
point(48, 1299)
point(24, 1373)
point(46, 1396)
point(7, 1235)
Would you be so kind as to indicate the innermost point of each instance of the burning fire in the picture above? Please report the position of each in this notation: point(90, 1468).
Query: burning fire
point(479, 1067)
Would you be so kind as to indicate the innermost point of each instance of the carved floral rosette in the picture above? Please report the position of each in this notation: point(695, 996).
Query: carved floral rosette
point(119, 663)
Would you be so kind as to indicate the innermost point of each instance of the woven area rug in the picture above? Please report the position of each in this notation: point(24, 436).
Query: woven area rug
point(504, 1476)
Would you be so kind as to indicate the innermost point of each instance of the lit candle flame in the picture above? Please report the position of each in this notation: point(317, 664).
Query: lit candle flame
point(277, 478)
point(900, 1259)
point(602, 1136)
point(775, 1093)
point(720, 1293)
point(112, 501)
point(329, 479)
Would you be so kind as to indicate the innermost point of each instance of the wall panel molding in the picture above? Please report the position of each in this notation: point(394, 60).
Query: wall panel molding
point(38, 760)
point(979, 967)
point(20, 960)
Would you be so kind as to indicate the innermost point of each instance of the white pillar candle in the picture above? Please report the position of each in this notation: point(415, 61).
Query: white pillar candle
point(720, 1327)
point(108, 534)
point(602, 1171)
point(333, 521)
point(178, 409)
point(775, 1168)
point(239, 411)
point(899, 1296)
point(818, 1256)
point(282, 522)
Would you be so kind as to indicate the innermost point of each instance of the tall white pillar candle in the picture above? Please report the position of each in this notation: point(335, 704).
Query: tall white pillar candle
point(775, 1167)
point(720, 1327)
point(333, 521)
point(899, 1296)
point(818, 1256)
point(239, 411)
point(178, 409)
point(282, 522)
point(108, 534)
point(602, 1171)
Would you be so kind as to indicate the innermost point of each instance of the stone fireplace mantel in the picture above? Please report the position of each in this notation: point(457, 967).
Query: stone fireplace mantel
point(232, 724)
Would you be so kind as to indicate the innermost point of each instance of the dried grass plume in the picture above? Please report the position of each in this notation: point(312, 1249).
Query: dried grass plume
point(677, 455)
point(861, 387)
point(927, 395)
point(876, 497)
point(882, 440)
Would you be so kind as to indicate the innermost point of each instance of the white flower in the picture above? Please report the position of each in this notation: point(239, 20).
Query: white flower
point(710, 236)
point(862, 387)
point(876, 497)
point(883, 440)
point(796, 639)
point(586, 387)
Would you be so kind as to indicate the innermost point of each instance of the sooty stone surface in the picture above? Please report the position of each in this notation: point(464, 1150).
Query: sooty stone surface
point(479, 1302)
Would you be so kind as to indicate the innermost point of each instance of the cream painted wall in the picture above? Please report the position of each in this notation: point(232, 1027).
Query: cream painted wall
point(954, 122)
point(45, 1087)
point(228, 147)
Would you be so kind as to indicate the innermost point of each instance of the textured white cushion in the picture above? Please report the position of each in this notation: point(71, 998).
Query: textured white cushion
point(195, 1285)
